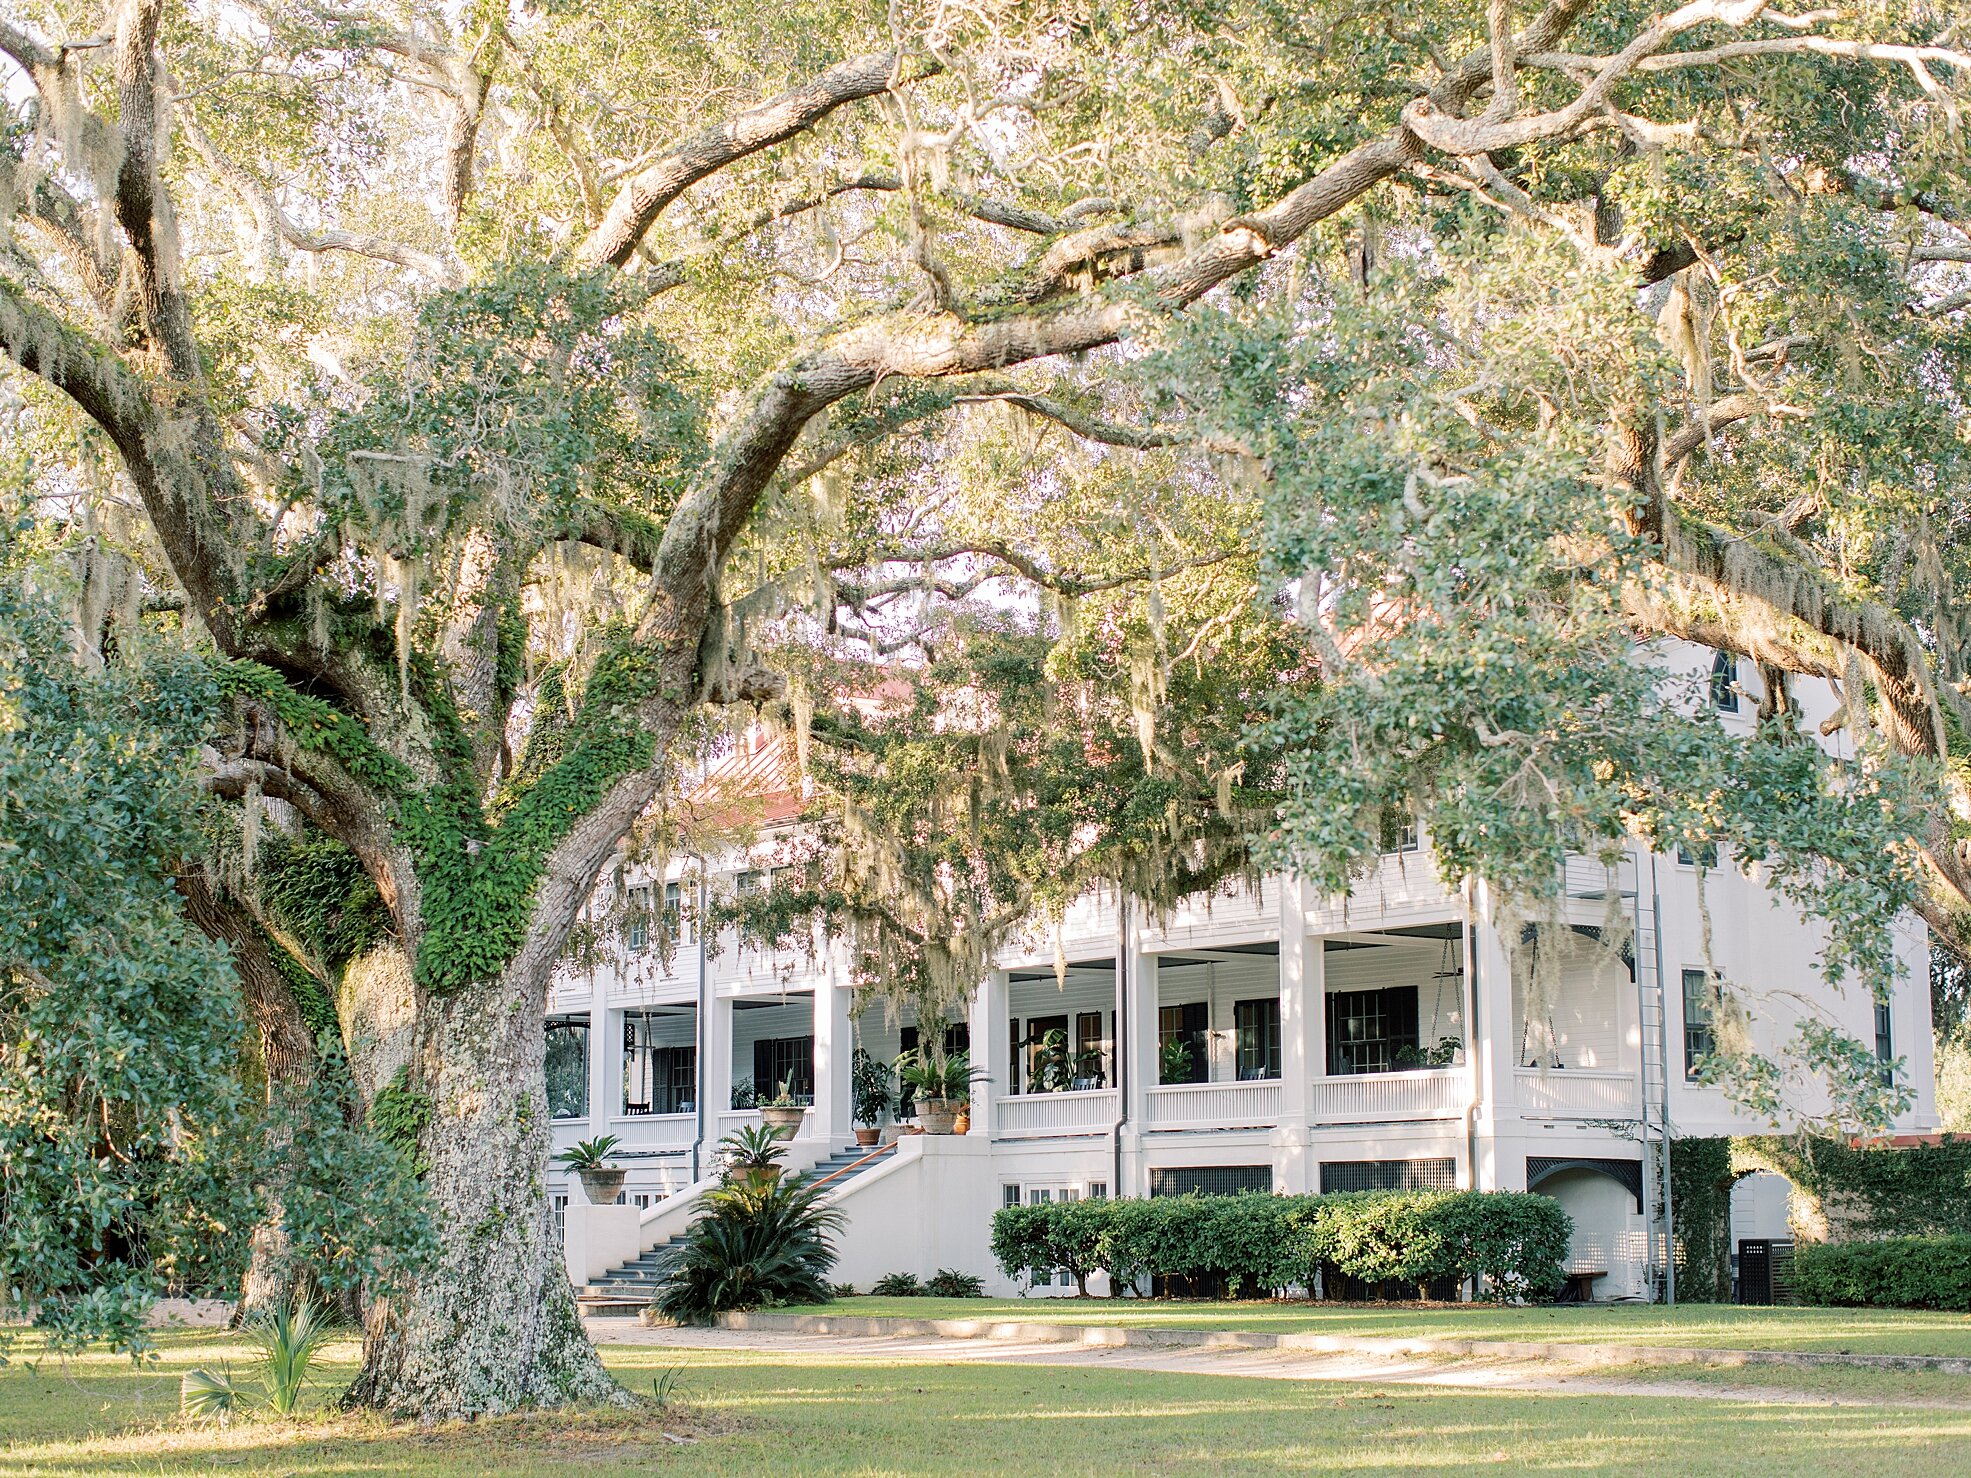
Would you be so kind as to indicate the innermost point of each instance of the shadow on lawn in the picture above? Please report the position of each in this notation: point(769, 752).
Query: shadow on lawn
point(758, 1413)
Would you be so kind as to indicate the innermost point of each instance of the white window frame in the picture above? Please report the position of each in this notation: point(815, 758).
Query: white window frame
point(637, 936)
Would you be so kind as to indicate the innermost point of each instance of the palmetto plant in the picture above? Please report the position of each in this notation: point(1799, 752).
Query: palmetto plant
point(289, 1340)
point(938, 1076)
point(208, 1393)
point(752, 1147)
point(589, 1154)
point(755, 1246)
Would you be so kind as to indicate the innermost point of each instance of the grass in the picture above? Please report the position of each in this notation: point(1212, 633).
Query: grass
point(751, 1413)
point(1880, 1387)
point(1709, 1326)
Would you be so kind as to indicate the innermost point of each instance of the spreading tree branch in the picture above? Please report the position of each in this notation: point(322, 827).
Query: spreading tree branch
point(647, 194)
point(274, 222)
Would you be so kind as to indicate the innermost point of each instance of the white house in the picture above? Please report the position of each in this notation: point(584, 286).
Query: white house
point(1274, 1039)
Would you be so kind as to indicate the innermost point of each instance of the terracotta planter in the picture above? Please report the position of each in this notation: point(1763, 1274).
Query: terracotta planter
point(602, 1187)
point(867, 1137)
point(937, 1115)
point(784, 1122)
point(756, 1177)
point(963, 1123)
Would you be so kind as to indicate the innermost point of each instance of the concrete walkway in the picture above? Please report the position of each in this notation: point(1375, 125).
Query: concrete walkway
point(1466, 1372)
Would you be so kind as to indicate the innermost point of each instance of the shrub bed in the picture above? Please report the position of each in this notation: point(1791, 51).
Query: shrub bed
point(1256, 1244)
point(1896, 1273)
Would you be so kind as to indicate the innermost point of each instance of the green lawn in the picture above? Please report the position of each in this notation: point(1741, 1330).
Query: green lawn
point(753, 1414)
point(1711, 1326)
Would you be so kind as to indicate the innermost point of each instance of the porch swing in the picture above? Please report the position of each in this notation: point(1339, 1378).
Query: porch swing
point(1444, 1048)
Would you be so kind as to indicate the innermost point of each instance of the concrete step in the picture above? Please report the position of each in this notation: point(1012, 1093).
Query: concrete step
point(595, 1303)
point(641, 1275)
point(841, 1160)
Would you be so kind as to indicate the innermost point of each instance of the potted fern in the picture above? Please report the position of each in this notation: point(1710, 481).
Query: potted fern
point(783, 1112)
point(602, 1182)
point(869, 1086)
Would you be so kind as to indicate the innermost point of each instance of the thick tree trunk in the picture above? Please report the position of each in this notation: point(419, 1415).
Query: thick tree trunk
point(274, 1277)
point(490, 1324)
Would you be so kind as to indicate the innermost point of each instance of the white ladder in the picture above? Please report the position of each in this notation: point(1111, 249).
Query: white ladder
point(1653, 1014)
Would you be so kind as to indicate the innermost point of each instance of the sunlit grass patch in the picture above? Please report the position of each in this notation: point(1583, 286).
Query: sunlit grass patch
point(746, 1412)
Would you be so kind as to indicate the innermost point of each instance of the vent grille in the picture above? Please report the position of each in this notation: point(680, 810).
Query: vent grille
point(1210, 1180)
point(1389, 1175)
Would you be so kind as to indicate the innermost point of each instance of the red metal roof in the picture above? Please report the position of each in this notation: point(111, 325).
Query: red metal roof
point(756, 782)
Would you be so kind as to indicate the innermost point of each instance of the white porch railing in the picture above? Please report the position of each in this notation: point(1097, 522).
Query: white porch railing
point(1577, 1094)
point(1213, 1105)
point(640, 1131)
point(1433, 1093)
point(736, 1119)
point(1028, 1114)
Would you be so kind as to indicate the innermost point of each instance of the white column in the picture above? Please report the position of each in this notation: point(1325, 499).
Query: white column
point(1140, 1047)
point(990, 1032)
point(715, 1065)
point(605, 1056)
point(1496, 1044)
point(834, 1042)
point(1302, 979)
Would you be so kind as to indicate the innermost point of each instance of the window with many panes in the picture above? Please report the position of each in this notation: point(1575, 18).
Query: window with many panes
point(1256, 1027)
point(636, 933)
point(1885, 1045)
point(1042, 1195)
point(1091, 1051)
point(1368, 1029)
point(1049, 1065)
point(1698, 1040)
point(1397, 830)
point(788, 1060)
point(1184, 1043)
point(1724, 682)
point(660, 1071)
point(568, 1067)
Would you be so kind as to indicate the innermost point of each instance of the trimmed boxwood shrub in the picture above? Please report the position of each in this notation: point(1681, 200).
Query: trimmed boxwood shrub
point(1896, 1273)
point(1257, 1243)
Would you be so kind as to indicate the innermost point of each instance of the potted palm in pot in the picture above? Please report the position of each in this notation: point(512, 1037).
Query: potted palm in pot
point(869, 1087)
point(783, 1112)
point(602, 1182)
point(751, 1156)
point(941, 1083)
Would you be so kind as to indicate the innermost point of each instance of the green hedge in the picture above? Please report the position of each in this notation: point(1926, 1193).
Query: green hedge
point(1258, 1243)
point(1874, 1190)
point(1897, 1273)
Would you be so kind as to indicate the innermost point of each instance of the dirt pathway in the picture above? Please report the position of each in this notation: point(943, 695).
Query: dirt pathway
point(1496, 1374)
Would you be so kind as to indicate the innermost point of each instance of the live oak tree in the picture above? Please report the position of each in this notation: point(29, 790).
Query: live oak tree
point(470, 363)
